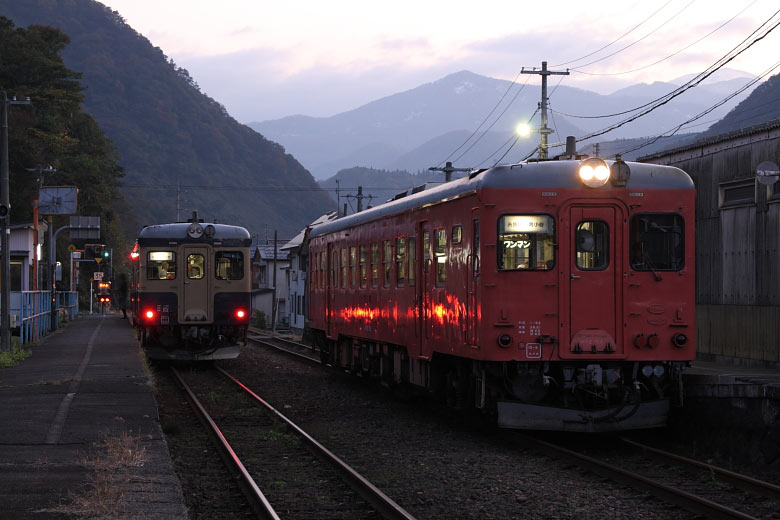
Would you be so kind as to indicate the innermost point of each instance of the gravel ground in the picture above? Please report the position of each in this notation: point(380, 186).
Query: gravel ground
point(433, 463)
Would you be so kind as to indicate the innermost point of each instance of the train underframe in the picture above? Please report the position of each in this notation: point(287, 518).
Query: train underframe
point(585, 396)
point(192, 342)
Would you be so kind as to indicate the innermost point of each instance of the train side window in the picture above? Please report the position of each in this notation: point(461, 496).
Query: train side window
point(323, 269)
point(592, 245)
point(161, 265)
point(363, 267)
point(374, 264)
point(387, 261)
point(196, 267)
point(412, 259)
point(526, 242)
point(440, 252)
point(426, 245)
point(229, 265)
point(457, 234)
point(400, 261)
point(353, 266)
point(334, 269)
point(344, 268)
point(657, 242)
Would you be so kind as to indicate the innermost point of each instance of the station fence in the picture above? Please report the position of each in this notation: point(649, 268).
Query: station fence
point(33, 312)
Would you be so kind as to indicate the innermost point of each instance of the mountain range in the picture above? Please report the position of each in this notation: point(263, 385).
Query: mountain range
point(426, 125)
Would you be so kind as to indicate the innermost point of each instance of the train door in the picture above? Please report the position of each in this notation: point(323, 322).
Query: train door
point(195, 303)
point(474, 296)
point(594, 265)
point(422, 273)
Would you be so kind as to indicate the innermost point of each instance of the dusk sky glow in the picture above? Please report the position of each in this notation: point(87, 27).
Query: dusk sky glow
point(268, 60)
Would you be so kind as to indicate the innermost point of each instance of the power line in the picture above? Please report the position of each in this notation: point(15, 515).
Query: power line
point(671, 55)
point(617, 39)
point(639, 40)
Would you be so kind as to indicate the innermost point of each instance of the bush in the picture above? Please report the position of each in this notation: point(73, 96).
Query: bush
point(258, 319)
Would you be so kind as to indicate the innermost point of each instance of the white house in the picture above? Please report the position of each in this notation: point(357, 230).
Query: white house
point(264, 263)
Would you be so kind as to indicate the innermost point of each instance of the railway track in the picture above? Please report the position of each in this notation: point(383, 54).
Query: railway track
point(696, 486)
point(283, 471)
point(285, 345)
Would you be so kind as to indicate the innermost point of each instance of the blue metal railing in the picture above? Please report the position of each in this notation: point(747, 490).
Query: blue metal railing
point(67, 304)
point(33, 311)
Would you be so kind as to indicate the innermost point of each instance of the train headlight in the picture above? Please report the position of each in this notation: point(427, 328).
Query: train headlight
point(504, 340)
point(594, 172)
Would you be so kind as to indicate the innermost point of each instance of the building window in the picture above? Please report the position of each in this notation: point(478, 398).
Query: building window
point(374, 264)
point(412, 259)
point(737, 193)
point(440, 252)
point(400, 261)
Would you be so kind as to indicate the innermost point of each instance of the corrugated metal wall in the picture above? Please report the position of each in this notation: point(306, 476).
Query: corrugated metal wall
point(737, 244)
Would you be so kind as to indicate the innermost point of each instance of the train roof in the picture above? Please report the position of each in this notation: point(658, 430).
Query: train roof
point(557, 174)
point(224, 234)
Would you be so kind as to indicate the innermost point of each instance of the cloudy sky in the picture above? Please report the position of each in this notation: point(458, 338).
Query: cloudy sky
point(265, 60)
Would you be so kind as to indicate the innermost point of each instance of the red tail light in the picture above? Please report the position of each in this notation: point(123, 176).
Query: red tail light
point(149, 314)
point(240, 314)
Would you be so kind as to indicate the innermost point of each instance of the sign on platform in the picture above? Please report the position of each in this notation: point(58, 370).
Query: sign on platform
point(98, 276)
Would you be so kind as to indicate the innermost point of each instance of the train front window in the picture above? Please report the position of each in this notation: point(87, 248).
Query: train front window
point(230, 265)
point(526, 242)
point(161, 265)
point(592, 245)
point(657, 242)
point(196, 267)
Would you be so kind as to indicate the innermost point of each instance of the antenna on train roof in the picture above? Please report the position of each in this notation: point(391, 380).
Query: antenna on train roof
point(195, 219)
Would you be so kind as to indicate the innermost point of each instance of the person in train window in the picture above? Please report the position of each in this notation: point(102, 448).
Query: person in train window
point(167, 272)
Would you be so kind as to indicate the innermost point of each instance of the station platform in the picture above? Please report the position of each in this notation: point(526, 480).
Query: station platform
point(80, 431)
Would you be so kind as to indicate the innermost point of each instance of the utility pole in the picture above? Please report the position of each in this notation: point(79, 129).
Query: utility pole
point(5, 223)
point(448, 170)
point(544, 130)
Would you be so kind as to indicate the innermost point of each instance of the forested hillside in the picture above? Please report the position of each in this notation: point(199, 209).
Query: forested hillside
point(168, 133)
point(762, 105)
point(53, 130)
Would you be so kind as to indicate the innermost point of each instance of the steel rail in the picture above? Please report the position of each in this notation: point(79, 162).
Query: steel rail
point(257, 501)
point(280, 339)
point(742, 481)
point(282, 349)
point(684, 499)
point(386, 506)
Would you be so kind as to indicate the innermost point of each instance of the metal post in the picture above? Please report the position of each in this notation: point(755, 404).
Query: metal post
point(543, 130)
point(51, 270)
point(5, 317)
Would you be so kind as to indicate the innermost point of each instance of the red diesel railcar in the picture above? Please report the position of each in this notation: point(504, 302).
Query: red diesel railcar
point(553, 295)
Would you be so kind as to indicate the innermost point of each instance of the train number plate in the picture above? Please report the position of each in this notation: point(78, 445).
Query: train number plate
point(163, 320)
point(533, 350)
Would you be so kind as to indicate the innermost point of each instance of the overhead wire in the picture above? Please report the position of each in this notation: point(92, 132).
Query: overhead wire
point(671, 55)
point(720, 63)
point(639, 40)
point(617, 39)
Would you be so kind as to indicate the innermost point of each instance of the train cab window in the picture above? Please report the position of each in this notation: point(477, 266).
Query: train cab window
point(344, 268)
point(374, 264)
point(526, 242)
point(457, 234)
point(387, 261)
point(353, 266)
point(412, 259)
point(229, 265)
point(196, 267)
point(657, 242)
point(161, 265)
point(592, 247)
point(440, 252)
point(363, 267)
point(400, 261)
